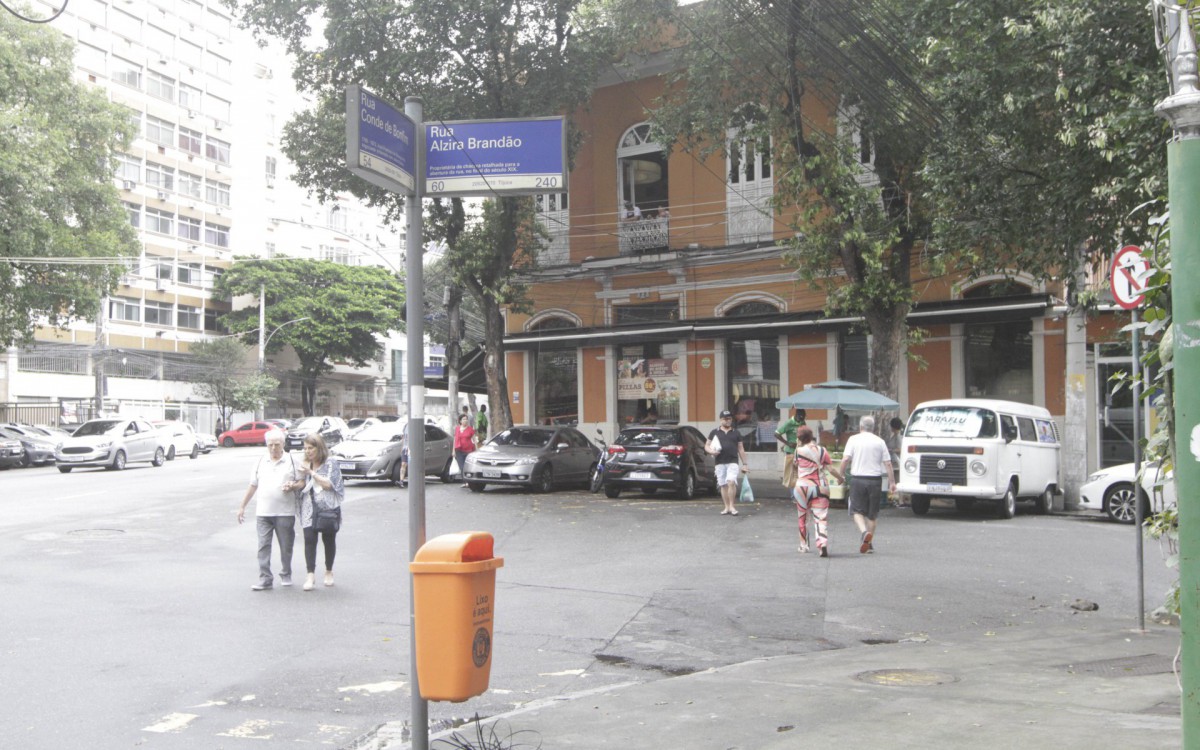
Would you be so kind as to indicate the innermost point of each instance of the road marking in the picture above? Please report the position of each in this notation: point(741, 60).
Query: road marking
point(376, 687)
point(171, 723)
point(76, 497)
point(564, 673)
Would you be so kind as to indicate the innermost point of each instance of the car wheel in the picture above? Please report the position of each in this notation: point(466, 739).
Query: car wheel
point(476, 486)
point(687, 490)
point(227, 442)
point(964, 504)
point(920, 505)
point(160, 458)
point(1045, 502)
point(396, 480)
point(171, 454)
point(545, 479)
point(195, 452)
point(447, 476)
point(65, 469)
point(118, 462)
point(1008, 503)
point(1118, 503)
point(612, 492)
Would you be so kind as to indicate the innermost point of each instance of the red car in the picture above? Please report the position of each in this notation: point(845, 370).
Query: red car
point(251, 433)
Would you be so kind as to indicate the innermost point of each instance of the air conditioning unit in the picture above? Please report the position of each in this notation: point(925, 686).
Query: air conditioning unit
point(129, 184)
point(160, 284)
point(162, 196)
point(191, 115)
point(192, 205)
point(217, 125)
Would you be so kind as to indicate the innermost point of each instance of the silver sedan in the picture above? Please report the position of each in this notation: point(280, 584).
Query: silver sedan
point(537, 457)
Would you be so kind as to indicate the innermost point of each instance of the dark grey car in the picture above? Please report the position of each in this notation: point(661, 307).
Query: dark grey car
point(537, 457)
point(651, 458)
point(375, 452)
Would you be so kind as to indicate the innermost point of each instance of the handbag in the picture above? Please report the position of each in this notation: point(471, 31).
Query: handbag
point(745, 494)
point(713, 446)
point(326, 519)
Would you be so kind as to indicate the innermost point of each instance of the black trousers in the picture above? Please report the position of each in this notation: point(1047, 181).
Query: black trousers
point(329, 538)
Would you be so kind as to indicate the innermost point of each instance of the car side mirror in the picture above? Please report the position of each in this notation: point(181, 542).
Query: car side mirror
point(562, 447)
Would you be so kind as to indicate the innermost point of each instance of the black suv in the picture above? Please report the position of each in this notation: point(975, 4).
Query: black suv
point(651, 458)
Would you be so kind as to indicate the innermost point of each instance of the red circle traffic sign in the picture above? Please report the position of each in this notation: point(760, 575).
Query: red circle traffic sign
point(1128, 275)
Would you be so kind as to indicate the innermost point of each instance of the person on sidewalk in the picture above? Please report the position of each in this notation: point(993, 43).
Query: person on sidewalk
point(274, 480)
point(324, 489)
point(481, 425)
point(894, 440)
point(869, 461)
point(811, 492)
point(729, 458)
point(464, 443)
point(786, 434)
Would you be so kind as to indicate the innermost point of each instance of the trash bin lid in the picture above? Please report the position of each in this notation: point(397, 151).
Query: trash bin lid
point(465, 551)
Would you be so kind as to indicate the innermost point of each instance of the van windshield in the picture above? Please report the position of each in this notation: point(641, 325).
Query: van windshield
point(952, 421)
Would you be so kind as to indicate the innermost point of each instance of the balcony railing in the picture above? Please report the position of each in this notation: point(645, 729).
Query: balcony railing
point(643, 235)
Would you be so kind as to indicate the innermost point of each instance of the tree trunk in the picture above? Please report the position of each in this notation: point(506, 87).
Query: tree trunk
point(499, 410)
point(308, 395)
point(453, 349)
point(888, 330)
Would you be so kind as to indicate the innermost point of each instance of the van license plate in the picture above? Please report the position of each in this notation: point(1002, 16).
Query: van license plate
point(641, 475)
point(491, 475)
point(939, 487)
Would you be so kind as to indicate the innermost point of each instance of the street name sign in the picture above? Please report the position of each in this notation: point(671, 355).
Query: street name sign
point(496, 157)
point(1128, 277)
point(381, 142)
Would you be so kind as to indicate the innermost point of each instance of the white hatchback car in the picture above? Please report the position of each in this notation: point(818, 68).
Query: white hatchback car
point(180, 439)
point(1111, 490)
point(111, 443)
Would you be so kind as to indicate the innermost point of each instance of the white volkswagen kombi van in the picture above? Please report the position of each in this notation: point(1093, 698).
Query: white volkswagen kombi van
point(980, 449)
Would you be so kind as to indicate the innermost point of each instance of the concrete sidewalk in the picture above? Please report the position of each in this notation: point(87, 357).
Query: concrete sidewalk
point(1021, 687)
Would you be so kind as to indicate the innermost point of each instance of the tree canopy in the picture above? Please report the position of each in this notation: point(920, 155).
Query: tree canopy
point(477, 59)
point(222, 375)
point(58, 204)
point(325, 311)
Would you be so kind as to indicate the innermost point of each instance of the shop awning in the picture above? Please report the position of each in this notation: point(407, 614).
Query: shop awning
point(471, 378)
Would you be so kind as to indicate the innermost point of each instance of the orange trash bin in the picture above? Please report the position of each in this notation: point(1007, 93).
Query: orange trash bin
point(454, 594)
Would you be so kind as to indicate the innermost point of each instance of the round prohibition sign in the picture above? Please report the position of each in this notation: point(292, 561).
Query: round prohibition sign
point(1128, 277)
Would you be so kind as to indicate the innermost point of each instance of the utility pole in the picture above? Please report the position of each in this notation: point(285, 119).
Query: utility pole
point(1182, 109)
point(453, 301)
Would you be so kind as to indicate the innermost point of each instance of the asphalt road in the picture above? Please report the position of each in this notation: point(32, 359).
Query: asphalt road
point(128, 619)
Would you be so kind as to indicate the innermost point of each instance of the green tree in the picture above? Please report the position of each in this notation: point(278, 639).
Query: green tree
point(342, 312)
point(813, 86)
point(58, 205)
point(1049, 141)
point(224, 376)
point(476, 59)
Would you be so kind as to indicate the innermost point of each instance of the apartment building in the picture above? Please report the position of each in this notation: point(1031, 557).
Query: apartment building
point(205, 180)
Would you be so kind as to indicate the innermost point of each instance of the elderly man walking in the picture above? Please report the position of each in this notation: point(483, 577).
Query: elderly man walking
point(867, 455)
point(274, 481)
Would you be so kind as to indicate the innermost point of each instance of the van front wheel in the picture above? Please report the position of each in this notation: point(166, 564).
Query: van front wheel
point(920, 504)
point(1008, 503)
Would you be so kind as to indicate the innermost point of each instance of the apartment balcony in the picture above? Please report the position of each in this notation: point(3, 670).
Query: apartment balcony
point(643, 235)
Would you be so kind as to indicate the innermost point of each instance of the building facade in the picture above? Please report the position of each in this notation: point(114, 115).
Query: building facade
point(664, 295)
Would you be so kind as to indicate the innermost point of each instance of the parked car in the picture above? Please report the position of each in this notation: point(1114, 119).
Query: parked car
point(208, 442)
point(283, 424)
point(38, 450)
point(11, 453)
point(180, 438)
point(1111, 491)
point(111, 443)
point(652, 458)
point(358, 424)
point(331, 430)
point(250, 433)
point(52, 432)
point(537, 457)
point(374, 453)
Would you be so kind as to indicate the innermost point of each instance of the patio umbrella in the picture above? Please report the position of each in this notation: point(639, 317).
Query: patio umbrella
point(838, 394)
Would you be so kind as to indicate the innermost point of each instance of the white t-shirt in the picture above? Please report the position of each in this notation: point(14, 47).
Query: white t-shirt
point(269, 476)
point(868, 455)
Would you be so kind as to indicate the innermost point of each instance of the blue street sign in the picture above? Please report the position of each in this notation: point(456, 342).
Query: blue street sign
point(381, 142)
point(496, 157)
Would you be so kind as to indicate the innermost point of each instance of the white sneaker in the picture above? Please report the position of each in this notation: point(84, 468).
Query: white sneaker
point(329, 578)
point(309, 582)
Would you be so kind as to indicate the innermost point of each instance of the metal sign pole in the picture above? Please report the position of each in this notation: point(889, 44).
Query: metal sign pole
point(414, 286)
point(1137, 471)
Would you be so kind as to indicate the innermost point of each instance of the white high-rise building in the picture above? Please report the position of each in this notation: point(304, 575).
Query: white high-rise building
point(204, 180)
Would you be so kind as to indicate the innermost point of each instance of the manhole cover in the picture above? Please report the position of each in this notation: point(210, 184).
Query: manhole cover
point(96, 533)
point(905, 677)
point(1125, 666)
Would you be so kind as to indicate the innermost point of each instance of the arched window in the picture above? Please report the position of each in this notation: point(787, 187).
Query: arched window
point(755, 307)
point(642, 191)
point(748, 187)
